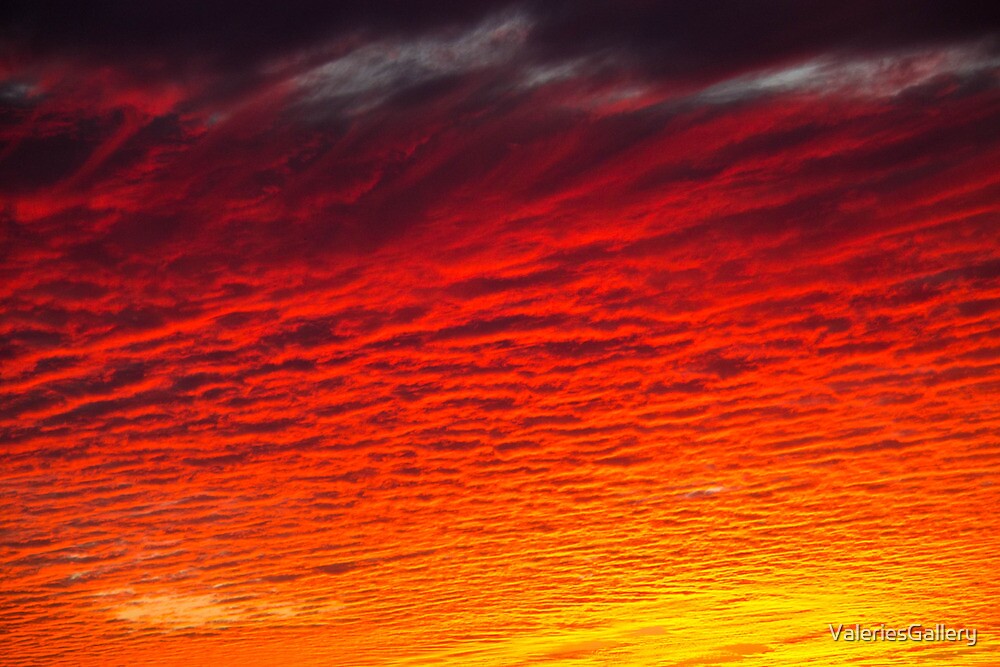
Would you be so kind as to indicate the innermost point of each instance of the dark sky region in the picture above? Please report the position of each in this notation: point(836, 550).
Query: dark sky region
point(553, 333)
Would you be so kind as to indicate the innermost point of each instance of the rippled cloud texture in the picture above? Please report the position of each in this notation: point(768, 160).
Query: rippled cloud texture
point(485, 334)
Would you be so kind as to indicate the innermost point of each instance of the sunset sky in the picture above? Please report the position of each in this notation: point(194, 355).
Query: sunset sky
point(540, 334)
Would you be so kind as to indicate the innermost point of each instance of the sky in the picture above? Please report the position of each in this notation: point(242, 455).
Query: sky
point(537, 334)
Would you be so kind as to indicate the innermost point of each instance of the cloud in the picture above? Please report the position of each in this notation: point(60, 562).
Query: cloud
point(368, 75)
point(336, 568)
point(885, 75)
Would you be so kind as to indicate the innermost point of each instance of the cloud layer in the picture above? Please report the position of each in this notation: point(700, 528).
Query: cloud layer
point(516, 335)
